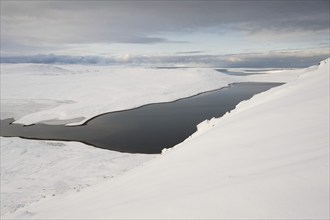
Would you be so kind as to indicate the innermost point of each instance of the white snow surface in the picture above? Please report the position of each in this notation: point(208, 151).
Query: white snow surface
point(33, 93)
point(32, 170)
point(246, 179)
point(267, 159)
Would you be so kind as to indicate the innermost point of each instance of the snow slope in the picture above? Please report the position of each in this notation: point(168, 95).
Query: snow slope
point(33, 93)
point(268, 158)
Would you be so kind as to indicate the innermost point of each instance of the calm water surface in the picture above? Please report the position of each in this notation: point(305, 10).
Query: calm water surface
point(147, 129)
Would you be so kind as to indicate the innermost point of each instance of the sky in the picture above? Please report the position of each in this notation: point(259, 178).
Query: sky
point(166, 33)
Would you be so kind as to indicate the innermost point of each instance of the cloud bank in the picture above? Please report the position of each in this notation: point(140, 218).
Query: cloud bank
point(64, 27)
point(288, 59)
point(143, 22)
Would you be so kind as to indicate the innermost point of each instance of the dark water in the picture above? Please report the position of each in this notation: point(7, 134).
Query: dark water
point(147, 129)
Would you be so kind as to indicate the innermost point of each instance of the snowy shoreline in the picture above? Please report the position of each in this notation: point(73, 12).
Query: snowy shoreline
point(148, 104)
point(86, 92)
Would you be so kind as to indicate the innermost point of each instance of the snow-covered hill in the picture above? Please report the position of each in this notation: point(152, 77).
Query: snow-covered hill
point(82, 92)
point(33, 93)
point(268, 158)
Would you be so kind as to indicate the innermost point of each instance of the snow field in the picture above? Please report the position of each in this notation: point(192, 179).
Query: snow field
point(267, 159)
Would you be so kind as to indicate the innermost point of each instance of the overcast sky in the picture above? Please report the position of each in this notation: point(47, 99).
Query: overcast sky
point(191, 33)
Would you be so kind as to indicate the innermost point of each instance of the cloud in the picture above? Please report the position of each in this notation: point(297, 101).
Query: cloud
point(280, 59)
point(144, 22)
point(158, 27)
point(191, 52)
point(56, 59)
